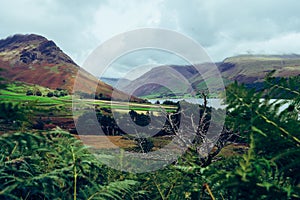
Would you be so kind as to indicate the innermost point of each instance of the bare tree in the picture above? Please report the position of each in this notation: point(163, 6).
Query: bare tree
point(191, 130)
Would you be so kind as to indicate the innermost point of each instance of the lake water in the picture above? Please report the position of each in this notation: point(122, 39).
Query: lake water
point(215, 103)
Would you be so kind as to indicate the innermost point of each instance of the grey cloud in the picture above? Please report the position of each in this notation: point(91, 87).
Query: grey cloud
point(223, 27)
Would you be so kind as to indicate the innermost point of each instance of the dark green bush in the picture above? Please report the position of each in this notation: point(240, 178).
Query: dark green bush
point(29, 93)
point(50, 94)
point(38, 93)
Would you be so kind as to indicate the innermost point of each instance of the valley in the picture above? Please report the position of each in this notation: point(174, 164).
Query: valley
point(250, 70)
point(61, 142)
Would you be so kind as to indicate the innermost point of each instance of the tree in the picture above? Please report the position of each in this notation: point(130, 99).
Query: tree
point(50, 94)
point(38, 93)
point(29, 93)
point(56, 93)
point(269, 167)
point(63, 93)
point(168, 102)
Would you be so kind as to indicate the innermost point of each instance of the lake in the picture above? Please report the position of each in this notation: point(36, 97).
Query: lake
point(215, 103)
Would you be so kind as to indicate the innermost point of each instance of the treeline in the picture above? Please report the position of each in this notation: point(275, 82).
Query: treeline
point(106, 121)
point(56, 93)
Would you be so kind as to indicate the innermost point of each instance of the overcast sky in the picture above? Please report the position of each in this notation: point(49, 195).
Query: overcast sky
point(223, 27)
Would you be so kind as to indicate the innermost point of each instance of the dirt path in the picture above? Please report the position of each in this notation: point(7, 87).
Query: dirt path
point(105, 142)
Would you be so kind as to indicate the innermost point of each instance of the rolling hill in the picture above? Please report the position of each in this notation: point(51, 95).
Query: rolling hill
point(36, 60)
point(115, 81)
point(247, 69)
point(253, 68)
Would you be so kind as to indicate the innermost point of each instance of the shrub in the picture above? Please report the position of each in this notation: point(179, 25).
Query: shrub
point(168, 102)
point(56, 93)
point(29, 93)
point(38, 93)
point(144, 145)
point(50, 94)
point(39, 124)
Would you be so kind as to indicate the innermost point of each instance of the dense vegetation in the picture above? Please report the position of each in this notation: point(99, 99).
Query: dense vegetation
point(55, 165)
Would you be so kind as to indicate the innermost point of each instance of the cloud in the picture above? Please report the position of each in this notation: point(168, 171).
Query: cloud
point(65, 23)
point(135, 63)
point(287, 43)
point(118, 16)
point(223, 27)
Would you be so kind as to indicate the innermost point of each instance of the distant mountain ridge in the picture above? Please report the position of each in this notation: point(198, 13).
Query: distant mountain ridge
point(253, 68)
point(248, 69)
point(114, 81)
point(36, 60)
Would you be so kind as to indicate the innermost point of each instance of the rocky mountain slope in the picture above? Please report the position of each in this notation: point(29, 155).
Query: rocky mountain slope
point(247, 69)
point(37, 60)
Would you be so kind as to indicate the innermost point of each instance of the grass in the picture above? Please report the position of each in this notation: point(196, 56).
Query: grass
point(249, 65)
point(53, 69)
point(62, 106)
point(246, 58)
point(119, 105)
point(233, 150)
point(22, 88)
point(7, 96)
point(43, 106)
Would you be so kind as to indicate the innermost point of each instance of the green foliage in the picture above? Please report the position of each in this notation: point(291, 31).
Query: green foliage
point(10, 112)
point(2, 81)
point(144, 144)
point(15, 115)
point(38, 93)
point(54, 165)
point(139, 119)
point(57, 93)
point(29, 93)
point(50, 94)
point(270, 169)
point(284, 88)
point(168, 102)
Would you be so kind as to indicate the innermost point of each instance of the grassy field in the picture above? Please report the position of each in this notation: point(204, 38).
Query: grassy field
point(16, 93)
point(57, 111)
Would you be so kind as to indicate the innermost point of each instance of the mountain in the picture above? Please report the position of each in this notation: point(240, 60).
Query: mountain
point(253, 68)
point(115, 81)
point(36, 60)
point(247, 69)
